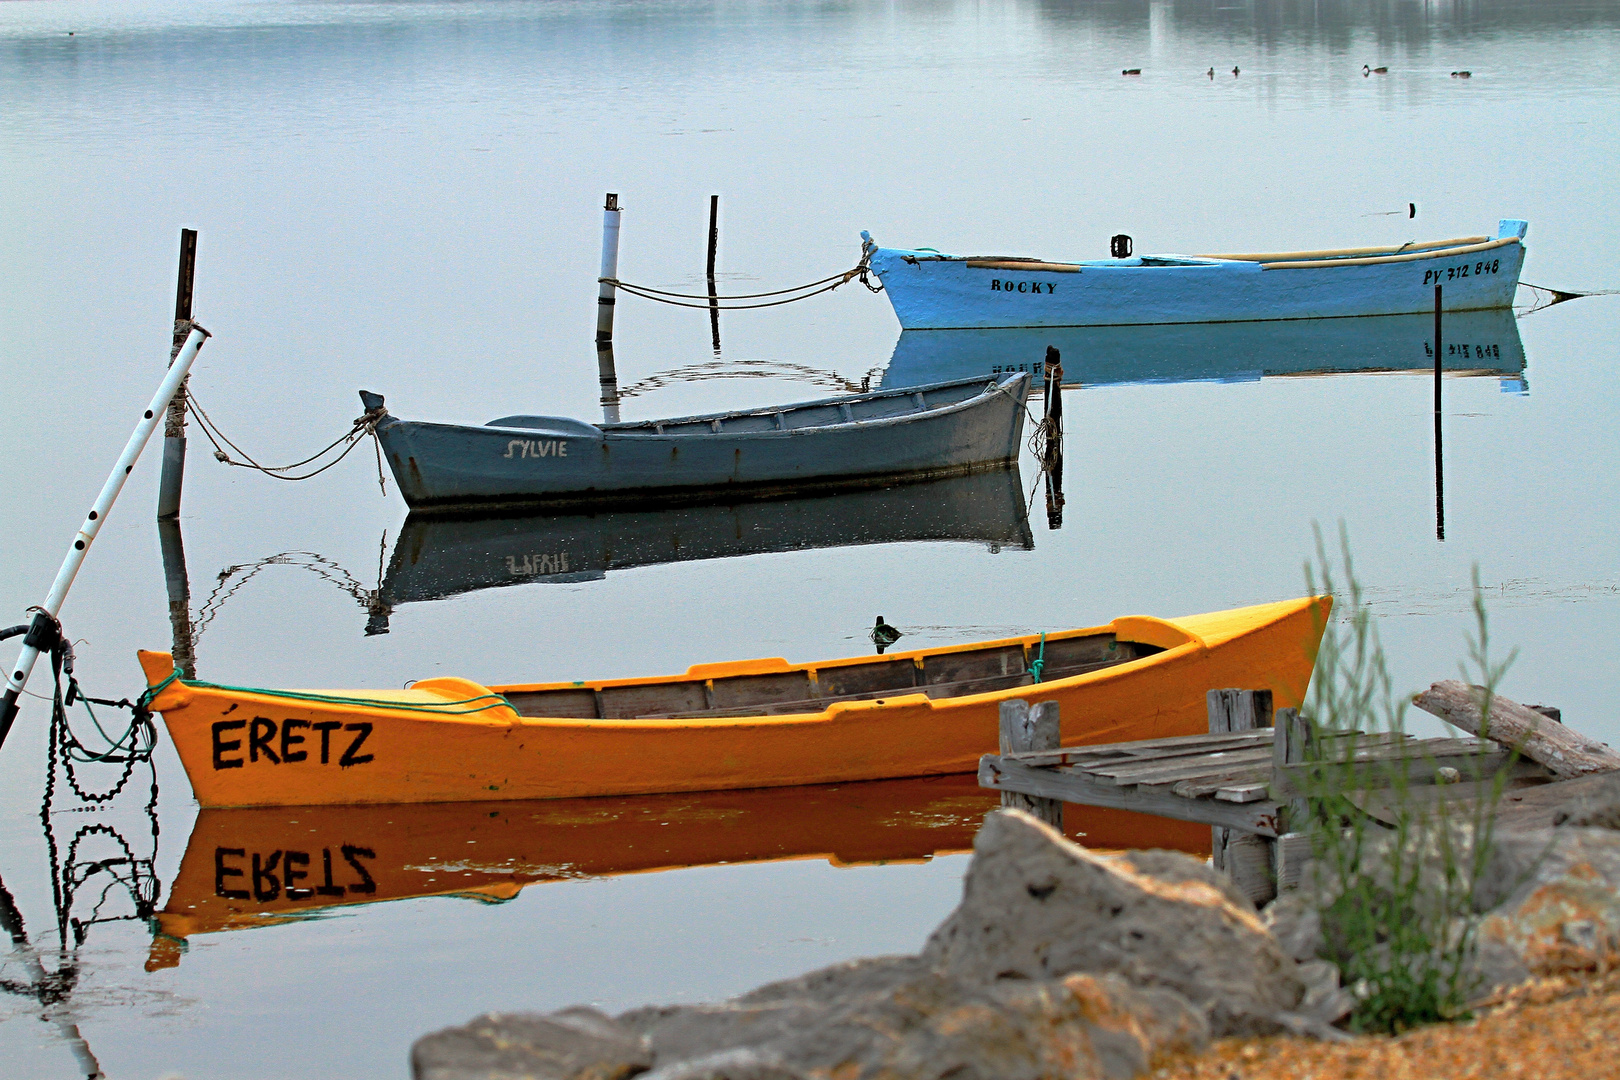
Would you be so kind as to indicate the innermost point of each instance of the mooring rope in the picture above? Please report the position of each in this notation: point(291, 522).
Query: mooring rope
point(708, 302)
point(1558, 296)
point(365, 424)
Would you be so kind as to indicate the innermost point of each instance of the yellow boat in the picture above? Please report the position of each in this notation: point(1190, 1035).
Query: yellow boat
point(269, 865)
point(745, 724)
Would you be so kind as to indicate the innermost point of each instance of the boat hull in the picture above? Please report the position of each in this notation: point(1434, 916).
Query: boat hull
point(444, 740)
point(934, 292)
point(547, 462)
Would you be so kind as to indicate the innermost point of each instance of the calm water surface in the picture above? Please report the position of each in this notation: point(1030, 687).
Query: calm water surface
point(405, 197)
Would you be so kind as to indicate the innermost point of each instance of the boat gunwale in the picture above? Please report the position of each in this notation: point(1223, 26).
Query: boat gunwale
point(1002, 381)
point(1277, 260)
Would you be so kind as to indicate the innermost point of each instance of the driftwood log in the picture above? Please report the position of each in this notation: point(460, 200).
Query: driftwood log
point(1566, 753)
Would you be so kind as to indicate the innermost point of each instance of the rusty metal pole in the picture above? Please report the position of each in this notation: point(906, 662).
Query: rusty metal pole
point(174, 423)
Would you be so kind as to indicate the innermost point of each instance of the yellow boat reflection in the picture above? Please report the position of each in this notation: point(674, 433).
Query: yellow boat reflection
point(268, 865)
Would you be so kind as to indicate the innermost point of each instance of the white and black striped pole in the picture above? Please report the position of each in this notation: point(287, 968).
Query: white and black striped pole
point(606, 296)
point(42, 631)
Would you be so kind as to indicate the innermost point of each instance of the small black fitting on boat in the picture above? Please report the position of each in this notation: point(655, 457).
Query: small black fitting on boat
point(1120, 246)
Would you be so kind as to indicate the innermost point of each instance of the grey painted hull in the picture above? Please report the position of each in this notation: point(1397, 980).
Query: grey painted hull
point(860, 440)
point(437, 556)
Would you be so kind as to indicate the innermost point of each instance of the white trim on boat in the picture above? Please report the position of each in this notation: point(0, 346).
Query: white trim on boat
point(1443, 253)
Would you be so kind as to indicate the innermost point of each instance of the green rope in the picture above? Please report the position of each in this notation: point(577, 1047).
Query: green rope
point(153, 691)
point(1040, 659)
point(494, 701)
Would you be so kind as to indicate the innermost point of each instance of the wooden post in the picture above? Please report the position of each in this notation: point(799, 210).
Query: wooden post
point(1439, 458)
point(173, 476)
point(606, 292)
point(1025, 730)
point(178, 583)
point(1238, 710)
point(714, 243)
point(1247, 859)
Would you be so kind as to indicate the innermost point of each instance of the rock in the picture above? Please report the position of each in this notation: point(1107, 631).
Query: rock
point(1561, 911)
point(575, 1044)
point(1036, 906)
point(855, 1022)
point(1296, 922)
point(1177, 868)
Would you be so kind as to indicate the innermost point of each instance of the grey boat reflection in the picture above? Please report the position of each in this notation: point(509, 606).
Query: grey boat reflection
point(1473, 342)
point(437, 557)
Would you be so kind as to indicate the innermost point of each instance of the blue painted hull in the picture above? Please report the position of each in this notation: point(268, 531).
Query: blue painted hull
point(933, 291)
point(1476, 341)
point(861, 440)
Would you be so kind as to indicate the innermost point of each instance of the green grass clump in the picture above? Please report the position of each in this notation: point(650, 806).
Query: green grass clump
point(1397, 898)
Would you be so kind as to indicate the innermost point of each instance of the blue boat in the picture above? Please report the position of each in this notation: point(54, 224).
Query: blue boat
point(854, 441)
point(931, 290)
point(1483, 343)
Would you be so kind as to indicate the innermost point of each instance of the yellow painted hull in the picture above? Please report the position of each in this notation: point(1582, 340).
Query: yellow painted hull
point(425, 744)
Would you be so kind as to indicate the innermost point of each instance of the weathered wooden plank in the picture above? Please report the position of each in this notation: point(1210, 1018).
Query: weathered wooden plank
point(1567, 753)
point(1178, 745)
point(1244, 793)
point(1002, 774)
point(1200, 786)
point(1154, 772)
point(1462, 799)
point(1417, 769)
point(1026, 729)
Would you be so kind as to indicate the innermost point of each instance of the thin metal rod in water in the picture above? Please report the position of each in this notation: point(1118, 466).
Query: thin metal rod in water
point(606, 291)
point(39, 633)
point(714, 242)
point(174, 427)
point(1439, 472)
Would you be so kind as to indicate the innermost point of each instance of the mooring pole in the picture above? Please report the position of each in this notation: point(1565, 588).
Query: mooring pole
point(42, 631)
point(1439, 472)
point(174, 426)
point(610, 269)
point(178, 583)
point(609, 378)
point(714, 242)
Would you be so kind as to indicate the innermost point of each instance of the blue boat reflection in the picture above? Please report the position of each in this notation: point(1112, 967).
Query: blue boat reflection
point(1474, 342)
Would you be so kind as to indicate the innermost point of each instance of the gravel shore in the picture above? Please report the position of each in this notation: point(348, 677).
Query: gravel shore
point(1551, 1029)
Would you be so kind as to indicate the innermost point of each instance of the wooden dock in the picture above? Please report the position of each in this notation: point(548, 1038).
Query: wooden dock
point(1241, 778)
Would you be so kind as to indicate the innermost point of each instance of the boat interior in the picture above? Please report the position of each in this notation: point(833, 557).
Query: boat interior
point(810, 688)
point(877, 405)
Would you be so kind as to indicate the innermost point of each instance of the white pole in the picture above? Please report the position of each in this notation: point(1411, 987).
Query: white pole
point(610, 268)
point(44, 620)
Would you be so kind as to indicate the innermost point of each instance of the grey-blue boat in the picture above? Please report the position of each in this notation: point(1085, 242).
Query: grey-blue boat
point(858, 440)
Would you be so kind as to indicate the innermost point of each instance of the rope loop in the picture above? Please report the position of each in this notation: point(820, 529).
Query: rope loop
point(712, 302)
